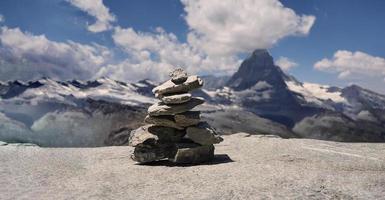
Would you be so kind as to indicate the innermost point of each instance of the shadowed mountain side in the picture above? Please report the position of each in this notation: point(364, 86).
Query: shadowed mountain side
point(229, 121)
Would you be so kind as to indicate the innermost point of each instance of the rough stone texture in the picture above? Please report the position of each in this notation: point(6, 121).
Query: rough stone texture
point(260, 168)
point(149, 153)
point(166, 134)
point(141, 135)
point(118, 137)
point(165, 120)
point(152, 135)
point(162, 109)
point(192, 82)
point(176, 98)
point(203, 134)
point(188, 118)
point(178, 76)
point(190, 153)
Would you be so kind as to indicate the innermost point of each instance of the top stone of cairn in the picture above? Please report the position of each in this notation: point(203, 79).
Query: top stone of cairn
point(178, 76)
point(170, 88)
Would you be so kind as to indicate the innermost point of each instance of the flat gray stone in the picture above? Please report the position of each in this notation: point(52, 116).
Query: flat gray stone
point(178, 76)
point(203, 134)
point(188, 118)
point(141, 135)
point(165, 120)
point(190, 153)
point(149, 153)
point(168, 87)
point(176, 99)
point(167, 134)
point(154, 135)
point(161, 108)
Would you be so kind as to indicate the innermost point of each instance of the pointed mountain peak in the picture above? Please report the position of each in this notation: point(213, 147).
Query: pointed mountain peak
point(259, 66)
point(260, 53)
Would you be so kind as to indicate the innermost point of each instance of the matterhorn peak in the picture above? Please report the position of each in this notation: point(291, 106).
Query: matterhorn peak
point(259, 66)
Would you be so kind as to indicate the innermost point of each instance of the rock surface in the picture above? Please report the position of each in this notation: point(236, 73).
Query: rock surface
point(168, 87)
point(203, 134)
point(188, 153)
point(176, 98)
point(149, 153)
point(163, 109)
point(141, 135)
point(166, 120)
point(152, 134)
point(188, 118)
point(178, 76)
point(261, 167)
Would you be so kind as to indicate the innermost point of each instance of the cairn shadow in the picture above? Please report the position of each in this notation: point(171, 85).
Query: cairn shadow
point(218, 159)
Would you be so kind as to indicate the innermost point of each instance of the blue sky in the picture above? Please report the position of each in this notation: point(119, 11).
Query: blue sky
point(329, 42)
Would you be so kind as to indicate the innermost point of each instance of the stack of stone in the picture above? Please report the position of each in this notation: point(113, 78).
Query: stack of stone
point(174, 132)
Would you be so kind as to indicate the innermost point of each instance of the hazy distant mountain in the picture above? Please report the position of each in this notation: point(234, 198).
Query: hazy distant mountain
point(72, 113)
point(259, 98)
point(214, 82)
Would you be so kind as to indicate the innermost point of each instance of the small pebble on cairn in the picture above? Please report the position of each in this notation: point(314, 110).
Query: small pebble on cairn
point(174, 132)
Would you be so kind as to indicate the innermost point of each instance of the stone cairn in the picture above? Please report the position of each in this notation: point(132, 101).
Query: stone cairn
point(174, 132)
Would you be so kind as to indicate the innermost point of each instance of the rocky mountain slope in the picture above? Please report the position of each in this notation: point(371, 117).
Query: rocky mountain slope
point(245, 167)
point(309, 110)
point(72, 113)
point(259, 98)
point(98, 113)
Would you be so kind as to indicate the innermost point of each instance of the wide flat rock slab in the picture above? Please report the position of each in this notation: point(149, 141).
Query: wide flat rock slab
point(177, 121)
point(163, 109)
point(176, 98)
point(168, 87)
point(260, 167)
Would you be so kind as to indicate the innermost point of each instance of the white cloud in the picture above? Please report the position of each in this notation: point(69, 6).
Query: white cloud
point(27, 56)
point(154, 54)
point(219, 31)
point(2, 19)
point(285, 63)
point(97, 9)
point(228, 27)
point(357, 65)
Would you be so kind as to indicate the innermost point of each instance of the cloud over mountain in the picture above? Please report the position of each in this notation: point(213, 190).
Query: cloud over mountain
point(219, 32)
point(285, 63)
point(353, 65)
point(229, 27)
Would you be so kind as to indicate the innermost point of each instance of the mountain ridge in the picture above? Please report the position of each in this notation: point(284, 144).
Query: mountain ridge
point(258, 98)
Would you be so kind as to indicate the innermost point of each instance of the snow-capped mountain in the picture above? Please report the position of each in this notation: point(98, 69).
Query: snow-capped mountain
point(72, 113)
point(259, 98)
point(309, 109)
point(45, 89)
